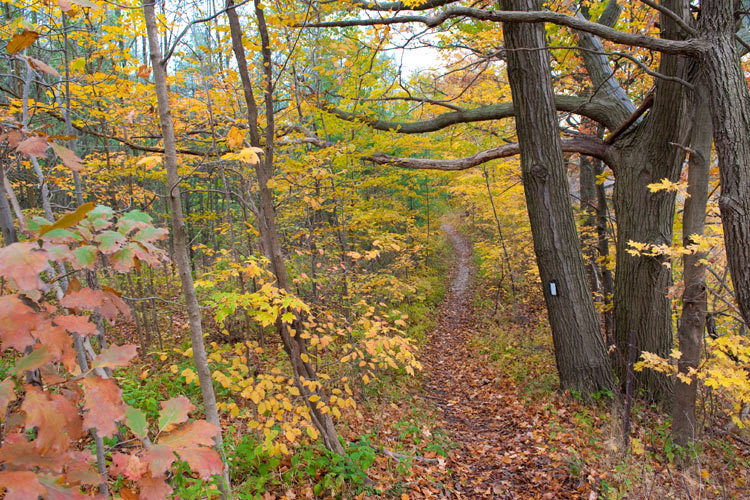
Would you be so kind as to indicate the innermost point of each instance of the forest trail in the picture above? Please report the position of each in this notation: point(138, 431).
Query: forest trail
point(501, 446)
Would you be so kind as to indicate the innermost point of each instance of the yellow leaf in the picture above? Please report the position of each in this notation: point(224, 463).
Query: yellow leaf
point(235, 138)
point(173, 369)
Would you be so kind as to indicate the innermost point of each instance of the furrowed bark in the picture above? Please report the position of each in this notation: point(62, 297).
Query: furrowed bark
point(685, 428)
point(579, 349)
point(730, 112)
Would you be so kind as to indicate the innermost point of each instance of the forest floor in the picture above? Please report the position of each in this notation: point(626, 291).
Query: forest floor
point(499, 452)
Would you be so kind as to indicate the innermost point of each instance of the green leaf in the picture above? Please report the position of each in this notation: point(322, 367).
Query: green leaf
point(70, 219)
point(85, 256)
point(174, 411)
point(136, 421)
point(110, 242)
point(151, 233)
point(34, 360)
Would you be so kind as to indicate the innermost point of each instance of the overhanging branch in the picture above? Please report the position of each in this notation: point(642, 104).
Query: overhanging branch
point(584, 144)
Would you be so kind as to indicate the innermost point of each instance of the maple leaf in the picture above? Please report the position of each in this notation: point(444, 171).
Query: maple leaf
point(129, 465)
point(55, 417)
point(235, 138)
point(154, 488)
point(103, 406)
point(198, 433)
point(160, 458)
point(21, 485)
point(68, 157)
point(22, 263)
point(76, 324)
point(173, 412)
point(115, 356)
point(60, 344)
point(35, 146)
point(16, 322)
point(106, 303)
point(21, 40)
point(205, 461)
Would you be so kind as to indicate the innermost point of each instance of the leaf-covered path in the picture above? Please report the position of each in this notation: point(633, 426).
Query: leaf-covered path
point(502, 449)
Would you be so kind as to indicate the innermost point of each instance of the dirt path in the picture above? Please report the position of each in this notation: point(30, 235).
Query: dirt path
point(499, 454)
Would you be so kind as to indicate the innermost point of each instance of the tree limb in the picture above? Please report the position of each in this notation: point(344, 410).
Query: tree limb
point(596, 110)
point(683, 47)
point(584, 144)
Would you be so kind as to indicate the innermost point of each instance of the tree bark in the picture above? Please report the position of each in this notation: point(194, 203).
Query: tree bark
point(693, 318)
point(579, 349)
point(180, 236)
point(730, 112)
point(648, 153)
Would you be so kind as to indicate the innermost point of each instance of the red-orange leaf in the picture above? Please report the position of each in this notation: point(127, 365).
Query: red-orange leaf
point(129, 465)
point(16, 322)
point(22, 263)
point(59, 343)
point(154, 488)
point(55, 418)
point(173, 412)
point(205, 461)
point(198, 433)
point(105, 303)
point(21, 485)
point(159, 457)
point(104, 406)
point(68, 157)
point(115, 356)
point(76, 324)
point(35, 146)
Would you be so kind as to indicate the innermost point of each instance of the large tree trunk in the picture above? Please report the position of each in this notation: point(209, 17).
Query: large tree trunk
point(295, 345)
point(730, 113)
point(693, 318)
point(579, 349)
point(180, 234)
point(649, 152)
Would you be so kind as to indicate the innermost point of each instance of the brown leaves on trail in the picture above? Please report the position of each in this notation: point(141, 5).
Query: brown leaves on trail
point(502, 449)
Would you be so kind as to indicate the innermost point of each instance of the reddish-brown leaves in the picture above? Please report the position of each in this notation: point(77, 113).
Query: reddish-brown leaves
point(131, 466)
point(76, 324)
point(55, 418)
point(115, 356)
point(35, 146)
point(104, 406)
point(22, 263)
point(105, 303)
point(17, 320)
point(21, 485)
point(159, 458)
point(68, 157)
point(7, 394)
point(198, 433)
point(154, 488)
point(205, 461)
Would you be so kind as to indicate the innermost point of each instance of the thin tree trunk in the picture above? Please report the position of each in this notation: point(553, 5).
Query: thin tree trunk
point(180, 236)
point(579, 349)
point(6, 217)
point(693, 318)
point(294, 346)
